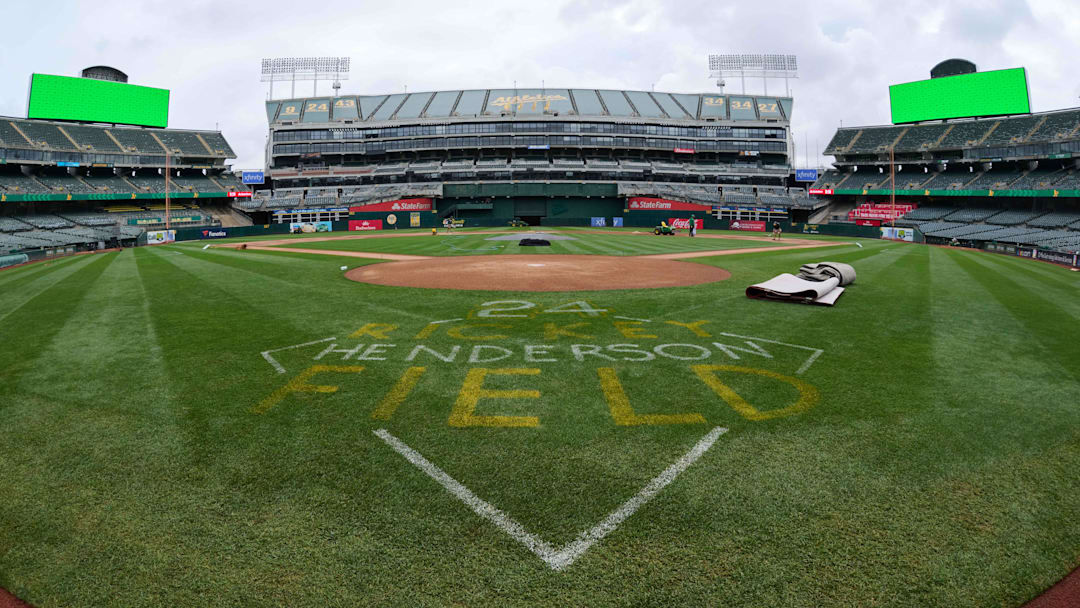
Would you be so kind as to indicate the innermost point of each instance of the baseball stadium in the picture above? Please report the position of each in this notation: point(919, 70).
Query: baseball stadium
point(540, 346)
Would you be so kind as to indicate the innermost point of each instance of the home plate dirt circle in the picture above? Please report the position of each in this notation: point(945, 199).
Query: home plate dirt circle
point(538, 273)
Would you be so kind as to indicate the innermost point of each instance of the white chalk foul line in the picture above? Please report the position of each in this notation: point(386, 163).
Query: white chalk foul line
point(557, 559)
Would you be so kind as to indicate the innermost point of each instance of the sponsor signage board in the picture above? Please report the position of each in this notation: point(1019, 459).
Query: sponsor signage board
point(898, 234)
point(311, 210)
point(825, 191)
point(365, 225)
point(644, 203)
point(866, 222)
point(238, 194)
point(539, 147)
point(1057, 257)
point(156, 237)
point(616, 222)
point(682, 223)
point(414, 219)
point(806, 175)
point(310, 227)
point(252, 177)
point(217, 233)
point(405, 204)
point(747, 225)
point(598, 222)
point(684, 150)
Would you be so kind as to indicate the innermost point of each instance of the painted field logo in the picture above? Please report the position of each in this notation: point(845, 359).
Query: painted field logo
point(500, 356)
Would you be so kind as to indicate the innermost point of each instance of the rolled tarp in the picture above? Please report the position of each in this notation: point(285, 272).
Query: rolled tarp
point(790, 288)
point(825, 270)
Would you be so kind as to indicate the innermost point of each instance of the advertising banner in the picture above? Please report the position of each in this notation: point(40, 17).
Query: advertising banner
point(864, 222)
point(238, 194)
point(598, 222)
point(747, 225)
point(806, 175)
point(365, 225)
point(252, 177)
point(898, 234)
point(156, 237)
point(310, 227)
point(215, 233)
point(405, 204)
point(414, 219)
point(617, 222)
point(825, 191)
point(642, 203)
point(684, 223)
point(1057, 257)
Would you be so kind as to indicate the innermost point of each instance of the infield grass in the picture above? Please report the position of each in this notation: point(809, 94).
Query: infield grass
point(939, 465)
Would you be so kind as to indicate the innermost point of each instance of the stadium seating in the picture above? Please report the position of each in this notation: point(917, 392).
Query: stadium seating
point(21, 184)
point(829, 179)
point(1037, 179)
point(1012, 130)
point(840, 140)
point(970, 215)
point(108, 183)
point(965, 134)
point(182, 143)
point(91, 219)
point(992, 180)
point(1070, 180)
point(876, 139)
point(10, 137)
point(92, 138)
point(65, 183)
point(217, 144)
point(45, 135)
point(45, 221)
point(1057, 126)
point(948, 180)
point(921, 137)
point(929, 213)
point(195, 183)
point(1052, 220)
point(1013, 217)
point(910, 181)
point(863, 180)
point(10, 224)
point(138, 141)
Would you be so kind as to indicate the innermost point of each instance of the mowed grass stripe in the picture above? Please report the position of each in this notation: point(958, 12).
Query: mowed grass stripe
point(9, 276)
point(33, 324)
point(21, 290)
point(1043, 319)
point(1046, 274)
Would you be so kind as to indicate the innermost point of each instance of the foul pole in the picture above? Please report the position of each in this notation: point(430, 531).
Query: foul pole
point(892, 188)
point(168, 170)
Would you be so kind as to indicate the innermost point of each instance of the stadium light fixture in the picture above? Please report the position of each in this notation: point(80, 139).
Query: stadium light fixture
point(334, 69)
point(764, 66)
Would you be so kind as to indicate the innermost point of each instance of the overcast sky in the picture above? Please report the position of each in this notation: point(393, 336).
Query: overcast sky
point(207, 53)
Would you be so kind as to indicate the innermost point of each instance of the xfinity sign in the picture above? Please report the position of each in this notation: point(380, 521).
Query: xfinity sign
point(252, 177)
point(804, 175)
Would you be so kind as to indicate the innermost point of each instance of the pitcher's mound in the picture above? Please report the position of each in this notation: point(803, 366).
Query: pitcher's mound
point(538, 273)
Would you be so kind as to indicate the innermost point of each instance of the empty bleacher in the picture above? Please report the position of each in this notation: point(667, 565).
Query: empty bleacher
point(970, 215)
point(965, 134)
point(1037, 179)
point(829, 179)
point(1057, 126)
point(949, 180)
point(1013, 217)
point(864, 180)
point(65, 184)
point(1012, 130)
point(46, 135)
point(10, 137)
point(992, 180)
point(92, 138)
point(137, 141)
point(920, 137)
point(108, 184)
point(182, 143)
point(22, 184)
point(1053, 220)
point(876, 139)
point(840, 140)
point(217, 144)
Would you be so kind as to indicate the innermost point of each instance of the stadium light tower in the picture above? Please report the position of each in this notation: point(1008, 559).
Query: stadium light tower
point(334, 69)
point(760, 66)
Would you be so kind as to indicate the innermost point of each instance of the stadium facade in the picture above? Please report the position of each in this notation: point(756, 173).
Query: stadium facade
point(559, 156)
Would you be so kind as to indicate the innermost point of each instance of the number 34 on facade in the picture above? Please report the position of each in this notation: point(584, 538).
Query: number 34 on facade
point(473, 391)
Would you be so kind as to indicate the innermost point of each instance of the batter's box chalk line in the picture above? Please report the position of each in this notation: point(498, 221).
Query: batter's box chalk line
point(557, 558)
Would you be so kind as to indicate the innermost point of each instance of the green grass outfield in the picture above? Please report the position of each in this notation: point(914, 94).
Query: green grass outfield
point(929, 455)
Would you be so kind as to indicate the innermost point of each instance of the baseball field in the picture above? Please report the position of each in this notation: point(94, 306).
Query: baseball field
point(182, 425)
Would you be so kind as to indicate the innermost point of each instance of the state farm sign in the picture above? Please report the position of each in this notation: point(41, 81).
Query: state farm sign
point(643, 203)
point(405, 204)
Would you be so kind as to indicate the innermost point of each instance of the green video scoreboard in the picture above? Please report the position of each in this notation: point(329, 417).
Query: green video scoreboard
point(966, 95)
point(90, 100)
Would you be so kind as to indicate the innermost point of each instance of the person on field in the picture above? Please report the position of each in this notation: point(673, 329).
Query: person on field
point(693, 226)
point(776, 231)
